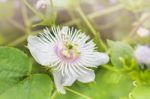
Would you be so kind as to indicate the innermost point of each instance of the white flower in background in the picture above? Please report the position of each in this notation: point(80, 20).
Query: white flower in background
point(142, 54)
point(42, 4)
point(69, 53)
point(143, 32)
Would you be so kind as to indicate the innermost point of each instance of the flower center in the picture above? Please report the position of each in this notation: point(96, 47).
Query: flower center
point(68, 51)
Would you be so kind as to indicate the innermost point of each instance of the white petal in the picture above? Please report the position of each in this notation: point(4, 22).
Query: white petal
point(87, 77)
point(142, 54)
point(94, 59)
point(58, 82)
point(68, 81)
point(101, 58)
point(39, 50)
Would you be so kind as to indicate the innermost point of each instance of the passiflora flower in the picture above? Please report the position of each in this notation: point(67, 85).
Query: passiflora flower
point(69, 53)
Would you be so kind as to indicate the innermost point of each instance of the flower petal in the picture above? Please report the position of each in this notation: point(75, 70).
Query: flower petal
point(142, 54)
point(68, 81)
point(94, 59)
point(58, 82)
point(101, 58)
point(41, 51)
point(87, 77)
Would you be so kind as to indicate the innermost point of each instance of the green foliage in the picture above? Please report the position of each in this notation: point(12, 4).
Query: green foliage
point(38, 86)
point(16, 80)
point(121, 54)
point(107, 85)
point(14, 65)
point(140, 92)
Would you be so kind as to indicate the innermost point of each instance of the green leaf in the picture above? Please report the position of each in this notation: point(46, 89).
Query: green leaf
point(14, 65)
point(38, 86)
point(141, 92)
point(121, 54)
point(107, 85)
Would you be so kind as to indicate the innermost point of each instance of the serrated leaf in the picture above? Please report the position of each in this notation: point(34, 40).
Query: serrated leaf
point(37, 86)
point(14, 65)
point(107, 85)
point(121, 54)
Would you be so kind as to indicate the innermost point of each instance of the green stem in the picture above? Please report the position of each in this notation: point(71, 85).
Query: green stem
point(25, 19)
point(73, 17)
point(21, 39)
point(97, 37)
point(86, 21)
point(90, 16)
point(131, 34)
point(77, 93)
point(54, 95)
point(16, 24)
point(97, 14)
point(108, 67)
point(33, 10)
point(53, 12)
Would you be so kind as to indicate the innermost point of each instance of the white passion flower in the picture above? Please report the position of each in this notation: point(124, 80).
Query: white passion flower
point(69, 53)
point(142, 54)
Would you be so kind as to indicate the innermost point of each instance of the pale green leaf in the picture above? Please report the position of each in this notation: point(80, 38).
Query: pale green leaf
point(121, 54)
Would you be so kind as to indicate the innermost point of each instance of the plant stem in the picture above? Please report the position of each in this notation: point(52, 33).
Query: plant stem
point(25, 19)
point(97, 14)
point(108, 67)
point(21, 39)
point(73, 17)
point(90, 16)
point(16, 24)
point(77, 93)
point(33, 10)
point(96, 35)
point(135, 28)
point(54, 94)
